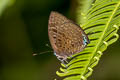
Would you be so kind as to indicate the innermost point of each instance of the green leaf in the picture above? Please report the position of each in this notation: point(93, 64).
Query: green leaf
point(101, 25)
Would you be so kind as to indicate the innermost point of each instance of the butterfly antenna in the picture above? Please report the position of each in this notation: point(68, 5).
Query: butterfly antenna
point(48, 46)
point(34, 54)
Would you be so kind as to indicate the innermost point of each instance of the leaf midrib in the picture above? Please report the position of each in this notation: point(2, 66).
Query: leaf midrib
point(107, 24)
point(100, 39)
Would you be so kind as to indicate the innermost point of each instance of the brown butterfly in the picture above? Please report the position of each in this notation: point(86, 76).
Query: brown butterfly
point(66, 37)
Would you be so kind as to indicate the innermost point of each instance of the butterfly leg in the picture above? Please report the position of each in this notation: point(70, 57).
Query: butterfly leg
point(66, 61)
point(62, 60)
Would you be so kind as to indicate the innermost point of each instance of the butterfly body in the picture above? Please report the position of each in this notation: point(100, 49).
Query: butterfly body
point(66, 37)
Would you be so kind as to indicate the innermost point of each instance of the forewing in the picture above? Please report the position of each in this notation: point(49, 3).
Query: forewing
point(55, 21)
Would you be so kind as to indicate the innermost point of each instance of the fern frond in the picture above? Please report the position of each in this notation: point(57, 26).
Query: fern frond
point(101, 25)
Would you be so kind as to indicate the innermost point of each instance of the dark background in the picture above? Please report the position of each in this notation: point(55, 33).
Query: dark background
point(23, 31)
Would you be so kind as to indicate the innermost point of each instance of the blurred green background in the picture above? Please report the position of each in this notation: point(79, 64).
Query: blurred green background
point(23, 30)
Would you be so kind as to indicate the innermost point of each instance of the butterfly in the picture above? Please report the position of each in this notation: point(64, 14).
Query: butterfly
point(66, 37)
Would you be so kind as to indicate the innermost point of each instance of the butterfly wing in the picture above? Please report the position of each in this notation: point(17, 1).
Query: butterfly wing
point(55, 20)
point(65, 37)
